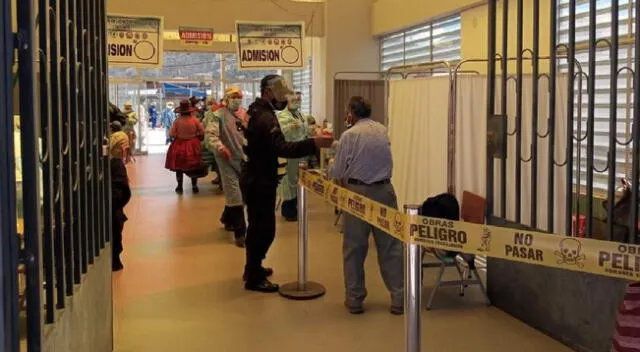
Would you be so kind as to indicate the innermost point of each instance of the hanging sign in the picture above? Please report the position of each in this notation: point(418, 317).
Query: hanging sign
point(269, 45)
point(134, 41)
point(196, 36)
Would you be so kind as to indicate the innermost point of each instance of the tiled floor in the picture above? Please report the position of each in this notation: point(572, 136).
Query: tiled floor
point(181, 288)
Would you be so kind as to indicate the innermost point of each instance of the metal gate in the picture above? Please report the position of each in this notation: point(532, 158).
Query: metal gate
point(60, 79)
point(579, 138)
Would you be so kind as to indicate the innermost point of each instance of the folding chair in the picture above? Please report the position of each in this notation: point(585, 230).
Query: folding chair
point(464, 263)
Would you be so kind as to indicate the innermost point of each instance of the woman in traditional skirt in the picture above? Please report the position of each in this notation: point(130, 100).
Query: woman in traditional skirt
point(184, 155)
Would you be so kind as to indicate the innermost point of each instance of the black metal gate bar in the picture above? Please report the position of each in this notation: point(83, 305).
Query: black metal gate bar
point(591, 89)
point(46, 160)
point(96, 140)
point(534, 114)
point(613, 116)
point(75, 78)
point(56, 153)
point(9, 333)
point(491, 96)
point(30, 155)
point(571, 53)
point(635, 168)
point(103, 118)
point(519, 45)
point(71, 264)
point(551, 127)
point(105, 85)
point(503, 106)
point(85, 139)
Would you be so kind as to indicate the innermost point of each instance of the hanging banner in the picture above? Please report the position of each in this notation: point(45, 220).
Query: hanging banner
point(269, 45)
point(196, 36)
point(134, 41)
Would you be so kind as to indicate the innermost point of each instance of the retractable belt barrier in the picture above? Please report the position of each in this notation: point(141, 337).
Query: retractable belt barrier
point(557, 251)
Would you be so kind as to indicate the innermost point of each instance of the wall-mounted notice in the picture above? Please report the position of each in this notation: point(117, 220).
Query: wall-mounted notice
point(269, 45)
point(134, 41)
point(196, 36)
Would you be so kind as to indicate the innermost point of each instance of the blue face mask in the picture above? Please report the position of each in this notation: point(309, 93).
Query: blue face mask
point(294, 106)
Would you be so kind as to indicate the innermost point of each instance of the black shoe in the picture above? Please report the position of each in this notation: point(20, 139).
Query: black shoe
point(291, 219)
point(264, 286)
point(267, 272)
point(117, 266)
point(240, 242)
point(179, 190)
point(195, 189)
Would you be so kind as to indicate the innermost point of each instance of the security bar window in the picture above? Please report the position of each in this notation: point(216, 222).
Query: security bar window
point(302, 83)
point(434, 41)
point(624, 102)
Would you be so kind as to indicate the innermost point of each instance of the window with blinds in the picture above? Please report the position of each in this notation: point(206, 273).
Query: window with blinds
point(302, 83)
point(434, 41)
point(624, 104)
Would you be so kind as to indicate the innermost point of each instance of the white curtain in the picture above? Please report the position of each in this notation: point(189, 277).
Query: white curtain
point(418, 132)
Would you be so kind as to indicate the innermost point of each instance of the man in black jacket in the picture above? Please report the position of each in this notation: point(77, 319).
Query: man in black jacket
point(264, 143)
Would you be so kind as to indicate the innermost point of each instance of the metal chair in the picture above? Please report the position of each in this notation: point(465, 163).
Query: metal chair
point(472, 211)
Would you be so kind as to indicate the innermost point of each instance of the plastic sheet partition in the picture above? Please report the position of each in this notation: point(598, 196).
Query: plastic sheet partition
point(62, 77)
point(576, 134)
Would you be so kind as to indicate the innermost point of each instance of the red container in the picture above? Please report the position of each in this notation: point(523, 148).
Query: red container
point(582, 224)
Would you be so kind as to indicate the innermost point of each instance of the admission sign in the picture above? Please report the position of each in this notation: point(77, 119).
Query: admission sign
point(270, 45)
point(134, 41)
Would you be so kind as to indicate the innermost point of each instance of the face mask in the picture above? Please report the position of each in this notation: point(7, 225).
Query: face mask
point(234, 104)
point(278, 105)
point(294, 107)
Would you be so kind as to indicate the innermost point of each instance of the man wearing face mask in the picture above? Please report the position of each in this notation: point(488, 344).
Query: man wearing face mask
point(264, 143)
point(224, 139)
point(294, 127)
point(363, 162)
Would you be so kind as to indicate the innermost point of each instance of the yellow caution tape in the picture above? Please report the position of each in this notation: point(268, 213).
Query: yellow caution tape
point(557, 251)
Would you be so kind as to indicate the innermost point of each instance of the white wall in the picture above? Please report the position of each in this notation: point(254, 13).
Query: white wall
point(347, 46)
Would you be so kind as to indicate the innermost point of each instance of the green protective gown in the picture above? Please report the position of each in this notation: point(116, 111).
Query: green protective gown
point(295, 128)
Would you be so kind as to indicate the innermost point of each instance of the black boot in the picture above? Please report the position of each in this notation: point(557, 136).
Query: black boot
point(225, 219)
point(179, 179)
point(239, 225)
point(116, 263)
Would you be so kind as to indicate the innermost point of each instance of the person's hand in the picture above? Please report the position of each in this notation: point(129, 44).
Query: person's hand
point(225, 152)
point(295, 125)
point(323, 140)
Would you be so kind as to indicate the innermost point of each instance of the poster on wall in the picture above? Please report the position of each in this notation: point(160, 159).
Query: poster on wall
point(270, 45)
point(190, 36)
point(134, 41)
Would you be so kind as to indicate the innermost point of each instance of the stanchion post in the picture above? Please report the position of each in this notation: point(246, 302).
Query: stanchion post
point(303, 233)
point(302, 289)
point(413, 290)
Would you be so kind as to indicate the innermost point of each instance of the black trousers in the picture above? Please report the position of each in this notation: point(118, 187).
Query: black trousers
point(261, 207)
point(117, 225)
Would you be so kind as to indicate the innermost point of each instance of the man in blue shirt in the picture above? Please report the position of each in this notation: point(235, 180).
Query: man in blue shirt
point(363, 163)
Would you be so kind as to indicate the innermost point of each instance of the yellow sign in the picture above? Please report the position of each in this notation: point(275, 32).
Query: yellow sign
point(134, 41)
point(557, 251)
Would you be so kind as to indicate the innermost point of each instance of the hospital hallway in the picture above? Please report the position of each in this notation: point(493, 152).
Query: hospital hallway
point(181, 289)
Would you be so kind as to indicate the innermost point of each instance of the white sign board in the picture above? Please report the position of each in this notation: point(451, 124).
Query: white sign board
point(134, 41)
point(270, 45)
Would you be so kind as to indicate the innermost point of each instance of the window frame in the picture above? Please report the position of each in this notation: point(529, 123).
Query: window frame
point(429, 44)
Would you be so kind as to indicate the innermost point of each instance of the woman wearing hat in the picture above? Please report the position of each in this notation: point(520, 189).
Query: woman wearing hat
point(184, 155)
point(224, 139)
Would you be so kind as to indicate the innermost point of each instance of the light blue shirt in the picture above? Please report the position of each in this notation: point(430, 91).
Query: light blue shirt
point(363, 153)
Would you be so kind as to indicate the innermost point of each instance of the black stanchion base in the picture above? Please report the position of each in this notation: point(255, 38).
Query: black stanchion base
point(312, 290)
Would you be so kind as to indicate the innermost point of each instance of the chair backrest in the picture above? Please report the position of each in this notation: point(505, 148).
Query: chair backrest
point(473, 208)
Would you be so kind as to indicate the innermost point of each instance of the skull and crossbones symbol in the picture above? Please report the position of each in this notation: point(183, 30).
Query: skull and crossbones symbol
point(398, 223)
point(485, 240)
point(570, 252)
